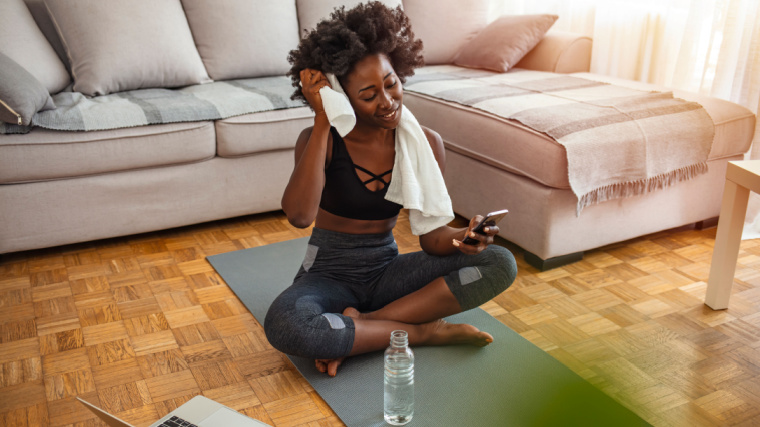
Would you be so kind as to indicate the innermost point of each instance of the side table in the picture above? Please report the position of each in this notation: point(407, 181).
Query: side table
point(741, 178)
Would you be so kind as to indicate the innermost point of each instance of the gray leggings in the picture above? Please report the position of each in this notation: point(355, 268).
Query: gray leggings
point(366, 272)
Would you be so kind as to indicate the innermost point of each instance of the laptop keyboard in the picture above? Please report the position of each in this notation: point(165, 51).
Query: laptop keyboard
point(176, 421)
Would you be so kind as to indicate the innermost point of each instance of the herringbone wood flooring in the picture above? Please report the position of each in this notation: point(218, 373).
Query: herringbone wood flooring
point(139, 325)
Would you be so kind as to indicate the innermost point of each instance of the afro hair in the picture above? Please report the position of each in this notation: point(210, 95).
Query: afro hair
point(338, 43)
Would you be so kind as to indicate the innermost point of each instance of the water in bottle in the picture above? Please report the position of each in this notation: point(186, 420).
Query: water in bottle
point(399, 380)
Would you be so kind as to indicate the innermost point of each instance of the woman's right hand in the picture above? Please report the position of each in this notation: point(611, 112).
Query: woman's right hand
point(311, 82)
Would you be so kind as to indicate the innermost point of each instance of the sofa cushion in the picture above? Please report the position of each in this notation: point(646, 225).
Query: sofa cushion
point(559, 52)
point(504, 42)
point(42, 18)
point(116, 45)
point(242, 135)
point(515, 148)
point(243, 38)
point(44, 155)
point(310, 12)
point(21, 95)
point(445, 26)
point(23, 42)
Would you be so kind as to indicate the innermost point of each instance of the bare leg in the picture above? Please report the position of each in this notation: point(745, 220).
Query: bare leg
point(420, 314)
point(373, 335)
point(432, 302)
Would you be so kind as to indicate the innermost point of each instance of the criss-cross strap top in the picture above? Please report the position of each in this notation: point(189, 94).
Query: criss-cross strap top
point(347, 195)
point(374, 177)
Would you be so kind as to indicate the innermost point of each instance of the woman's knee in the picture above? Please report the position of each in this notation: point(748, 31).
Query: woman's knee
point(308, 334)
point(490, 274)
point(277, 327)
point(501, 265)
point(283, 325)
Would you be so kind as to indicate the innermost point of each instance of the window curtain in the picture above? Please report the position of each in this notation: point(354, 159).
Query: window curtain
point(707, 46)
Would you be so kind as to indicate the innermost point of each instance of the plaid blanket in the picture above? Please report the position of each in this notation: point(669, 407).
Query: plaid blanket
point(619, 142)
point(212, 101)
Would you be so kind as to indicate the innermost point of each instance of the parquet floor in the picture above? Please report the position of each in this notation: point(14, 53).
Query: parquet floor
point(139, 325)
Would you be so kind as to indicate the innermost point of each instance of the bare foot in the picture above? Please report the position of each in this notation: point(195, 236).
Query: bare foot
point(330, 366)
point(440, 332)
point(354, 313)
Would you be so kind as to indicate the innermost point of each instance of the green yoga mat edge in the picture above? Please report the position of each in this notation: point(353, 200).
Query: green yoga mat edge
point(510, 382)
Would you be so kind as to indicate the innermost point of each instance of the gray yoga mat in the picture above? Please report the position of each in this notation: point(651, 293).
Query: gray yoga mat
point(508, 383)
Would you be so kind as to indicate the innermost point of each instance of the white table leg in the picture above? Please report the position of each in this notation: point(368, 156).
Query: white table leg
point(727, 240)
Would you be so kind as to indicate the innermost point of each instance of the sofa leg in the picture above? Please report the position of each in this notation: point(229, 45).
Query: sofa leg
point(707, 223)
point(548, 264)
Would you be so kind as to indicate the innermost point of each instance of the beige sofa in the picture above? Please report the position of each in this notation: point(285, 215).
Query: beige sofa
point(60, 187)
point(518, 168)
point(494, 163)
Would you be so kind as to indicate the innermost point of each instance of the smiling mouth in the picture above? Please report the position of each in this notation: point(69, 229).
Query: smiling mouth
point(390, 115)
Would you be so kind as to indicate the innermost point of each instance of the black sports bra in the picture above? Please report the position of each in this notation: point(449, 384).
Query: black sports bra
point(346, 195)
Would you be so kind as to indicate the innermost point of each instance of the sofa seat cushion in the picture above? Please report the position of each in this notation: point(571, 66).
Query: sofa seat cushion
point(46, 155)
point(264, 131)
point(513, 147)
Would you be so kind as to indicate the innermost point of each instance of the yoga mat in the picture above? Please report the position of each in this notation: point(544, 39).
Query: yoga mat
point(510, 382)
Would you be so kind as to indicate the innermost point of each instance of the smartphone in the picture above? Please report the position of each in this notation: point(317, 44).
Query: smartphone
point(489, 220)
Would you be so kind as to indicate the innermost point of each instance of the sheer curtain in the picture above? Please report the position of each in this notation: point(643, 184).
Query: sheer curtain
point(706, 46)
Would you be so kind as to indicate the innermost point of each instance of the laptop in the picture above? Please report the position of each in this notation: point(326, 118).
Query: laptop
point(199, 411)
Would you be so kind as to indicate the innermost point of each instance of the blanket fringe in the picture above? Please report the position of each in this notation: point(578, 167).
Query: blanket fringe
point(641, 186)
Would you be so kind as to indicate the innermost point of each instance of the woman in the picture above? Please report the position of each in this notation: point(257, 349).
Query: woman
point(354, 288)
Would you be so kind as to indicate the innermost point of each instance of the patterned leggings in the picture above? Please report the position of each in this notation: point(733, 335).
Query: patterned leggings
point(366, 272)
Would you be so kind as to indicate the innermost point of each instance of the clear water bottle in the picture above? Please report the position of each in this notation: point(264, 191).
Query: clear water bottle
point(399, 380)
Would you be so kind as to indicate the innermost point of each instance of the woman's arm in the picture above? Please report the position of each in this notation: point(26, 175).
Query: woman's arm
point(447, 240)
point(441, 240)
point(300, 201)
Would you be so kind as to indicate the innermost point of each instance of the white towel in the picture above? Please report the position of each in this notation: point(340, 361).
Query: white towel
point(417, 183)
point(337, 107)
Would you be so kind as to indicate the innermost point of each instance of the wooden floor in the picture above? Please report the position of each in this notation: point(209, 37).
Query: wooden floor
point(139, 325)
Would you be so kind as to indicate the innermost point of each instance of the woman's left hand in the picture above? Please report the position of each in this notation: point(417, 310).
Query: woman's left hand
point(483, 239)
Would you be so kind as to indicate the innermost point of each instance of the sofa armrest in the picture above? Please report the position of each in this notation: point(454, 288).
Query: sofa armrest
point(559, 52)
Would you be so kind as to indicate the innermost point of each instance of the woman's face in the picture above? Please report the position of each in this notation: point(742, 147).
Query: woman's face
point(375, 92)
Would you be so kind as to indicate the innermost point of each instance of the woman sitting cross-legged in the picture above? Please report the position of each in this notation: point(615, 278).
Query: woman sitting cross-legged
point(353, 287)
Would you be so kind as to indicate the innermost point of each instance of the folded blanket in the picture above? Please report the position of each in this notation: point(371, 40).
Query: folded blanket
point(141, 107)
point(417, 182)
point(619, 141)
